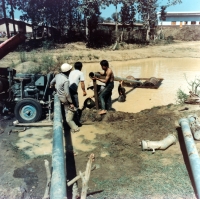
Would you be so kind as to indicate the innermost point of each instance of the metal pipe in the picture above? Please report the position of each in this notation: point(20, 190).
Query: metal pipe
point(58, 180)
point(192, 153)
point(95, 74)
point(194, 126)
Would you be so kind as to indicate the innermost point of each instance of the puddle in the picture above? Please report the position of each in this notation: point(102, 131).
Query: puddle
point(84, 140)
point(36, 142)
point(171, 70)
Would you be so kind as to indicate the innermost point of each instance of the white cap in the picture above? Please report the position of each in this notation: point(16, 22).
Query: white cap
point(90, 85)
point(65, 67)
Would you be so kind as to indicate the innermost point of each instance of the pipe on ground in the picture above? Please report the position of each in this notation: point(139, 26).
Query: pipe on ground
point(163, 144)
point(194, 126)
point(58, 180)
point(192, 153)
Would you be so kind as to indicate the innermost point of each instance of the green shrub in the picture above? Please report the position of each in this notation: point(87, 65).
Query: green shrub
point(181, 96)
point(47, 45)
point(47, 63)
point(22, 56)
point(33, 57)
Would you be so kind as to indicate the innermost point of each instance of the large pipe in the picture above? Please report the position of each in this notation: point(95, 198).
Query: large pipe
point(125, 80)
point(58, 180)
point(192, 153)
point(10, 44)
point(194, 126)
point(163, 144)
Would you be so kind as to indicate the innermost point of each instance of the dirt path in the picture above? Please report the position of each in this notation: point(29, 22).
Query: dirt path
point(124, 170)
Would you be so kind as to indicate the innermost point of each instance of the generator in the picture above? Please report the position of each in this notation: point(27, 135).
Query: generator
point(28, 96)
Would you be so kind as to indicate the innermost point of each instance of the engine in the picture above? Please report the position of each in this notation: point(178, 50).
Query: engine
point(26, 94)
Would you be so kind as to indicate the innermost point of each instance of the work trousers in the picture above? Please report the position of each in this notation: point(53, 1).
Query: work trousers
point(105, 96)
point(69, 114)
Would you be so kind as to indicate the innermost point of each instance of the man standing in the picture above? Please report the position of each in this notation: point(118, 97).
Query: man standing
point(76, 76)
point(105, 95)
point(61, 83)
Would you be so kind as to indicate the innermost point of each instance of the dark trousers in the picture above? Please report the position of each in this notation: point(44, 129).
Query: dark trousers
point(105, 96)
point(75, 101)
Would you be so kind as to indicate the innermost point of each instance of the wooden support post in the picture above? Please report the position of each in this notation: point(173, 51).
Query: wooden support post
point(96, 94)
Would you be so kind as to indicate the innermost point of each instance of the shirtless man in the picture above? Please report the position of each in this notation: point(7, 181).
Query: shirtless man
point(105, 96)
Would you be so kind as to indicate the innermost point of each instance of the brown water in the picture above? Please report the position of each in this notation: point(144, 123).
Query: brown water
point(34, 142)
point(172, 70)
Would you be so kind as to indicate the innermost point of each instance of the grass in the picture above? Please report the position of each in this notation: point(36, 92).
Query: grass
point(155, 180)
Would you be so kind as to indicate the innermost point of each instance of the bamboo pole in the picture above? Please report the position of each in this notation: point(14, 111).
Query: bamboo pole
point(96, 94)
point(85, 179)
point(46, 193)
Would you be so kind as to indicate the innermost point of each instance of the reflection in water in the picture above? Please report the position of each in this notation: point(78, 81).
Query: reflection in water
point(172, 70)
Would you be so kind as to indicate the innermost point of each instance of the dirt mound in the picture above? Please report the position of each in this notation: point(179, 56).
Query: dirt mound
point(186, 33)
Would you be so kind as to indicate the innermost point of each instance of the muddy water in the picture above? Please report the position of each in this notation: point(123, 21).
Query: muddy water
point(172, 70)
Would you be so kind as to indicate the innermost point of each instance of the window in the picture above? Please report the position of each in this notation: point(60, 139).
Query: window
point(173, 23)
point(193, 22)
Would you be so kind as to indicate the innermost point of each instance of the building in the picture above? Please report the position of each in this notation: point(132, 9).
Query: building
point(112, 25)
point(180, 19)
point(20, 26)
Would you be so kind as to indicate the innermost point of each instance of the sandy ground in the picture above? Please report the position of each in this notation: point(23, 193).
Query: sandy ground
point(124, 170)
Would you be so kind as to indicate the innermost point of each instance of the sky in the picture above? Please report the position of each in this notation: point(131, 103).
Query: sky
point(186, 5)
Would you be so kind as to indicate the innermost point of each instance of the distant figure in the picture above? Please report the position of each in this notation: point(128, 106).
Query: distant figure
point(109, 85)
point(121, 91)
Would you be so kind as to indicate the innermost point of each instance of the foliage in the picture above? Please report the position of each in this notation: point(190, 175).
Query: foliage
point(194, 84)
point(127, 14)
point(22, 56)
point(47, 63)
point(181, 96)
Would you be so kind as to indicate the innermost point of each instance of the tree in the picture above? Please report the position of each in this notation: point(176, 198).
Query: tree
point(147, 10)
point(162, 14)
point(127, 14)
point(5, 18)
point(91, 12)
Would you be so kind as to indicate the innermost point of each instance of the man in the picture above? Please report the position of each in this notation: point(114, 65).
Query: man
point(75, 77)
point(61, 83)
point(106, 94)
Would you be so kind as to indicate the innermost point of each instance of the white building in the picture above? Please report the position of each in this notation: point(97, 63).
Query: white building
point(180, 19)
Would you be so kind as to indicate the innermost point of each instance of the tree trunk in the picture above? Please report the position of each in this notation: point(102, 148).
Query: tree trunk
point(148, 29)
point(116, 22)
point(6, 21)
point(13, 18)
point(86, 27)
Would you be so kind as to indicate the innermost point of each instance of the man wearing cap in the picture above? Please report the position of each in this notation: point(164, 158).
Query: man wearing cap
point(61, 82)
point(75, 77)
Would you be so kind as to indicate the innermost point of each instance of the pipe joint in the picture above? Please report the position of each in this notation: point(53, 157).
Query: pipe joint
point(163, 144)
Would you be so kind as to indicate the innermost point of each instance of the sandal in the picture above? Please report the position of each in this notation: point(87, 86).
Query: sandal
point(75, 130)
point(102, 112)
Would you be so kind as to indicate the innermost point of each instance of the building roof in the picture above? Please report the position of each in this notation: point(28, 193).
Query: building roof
point(178, 14)
point(17, 21)
point(119, 24)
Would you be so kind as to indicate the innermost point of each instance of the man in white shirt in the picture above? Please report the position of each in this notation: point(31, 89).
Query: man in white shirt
point(75, 77)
